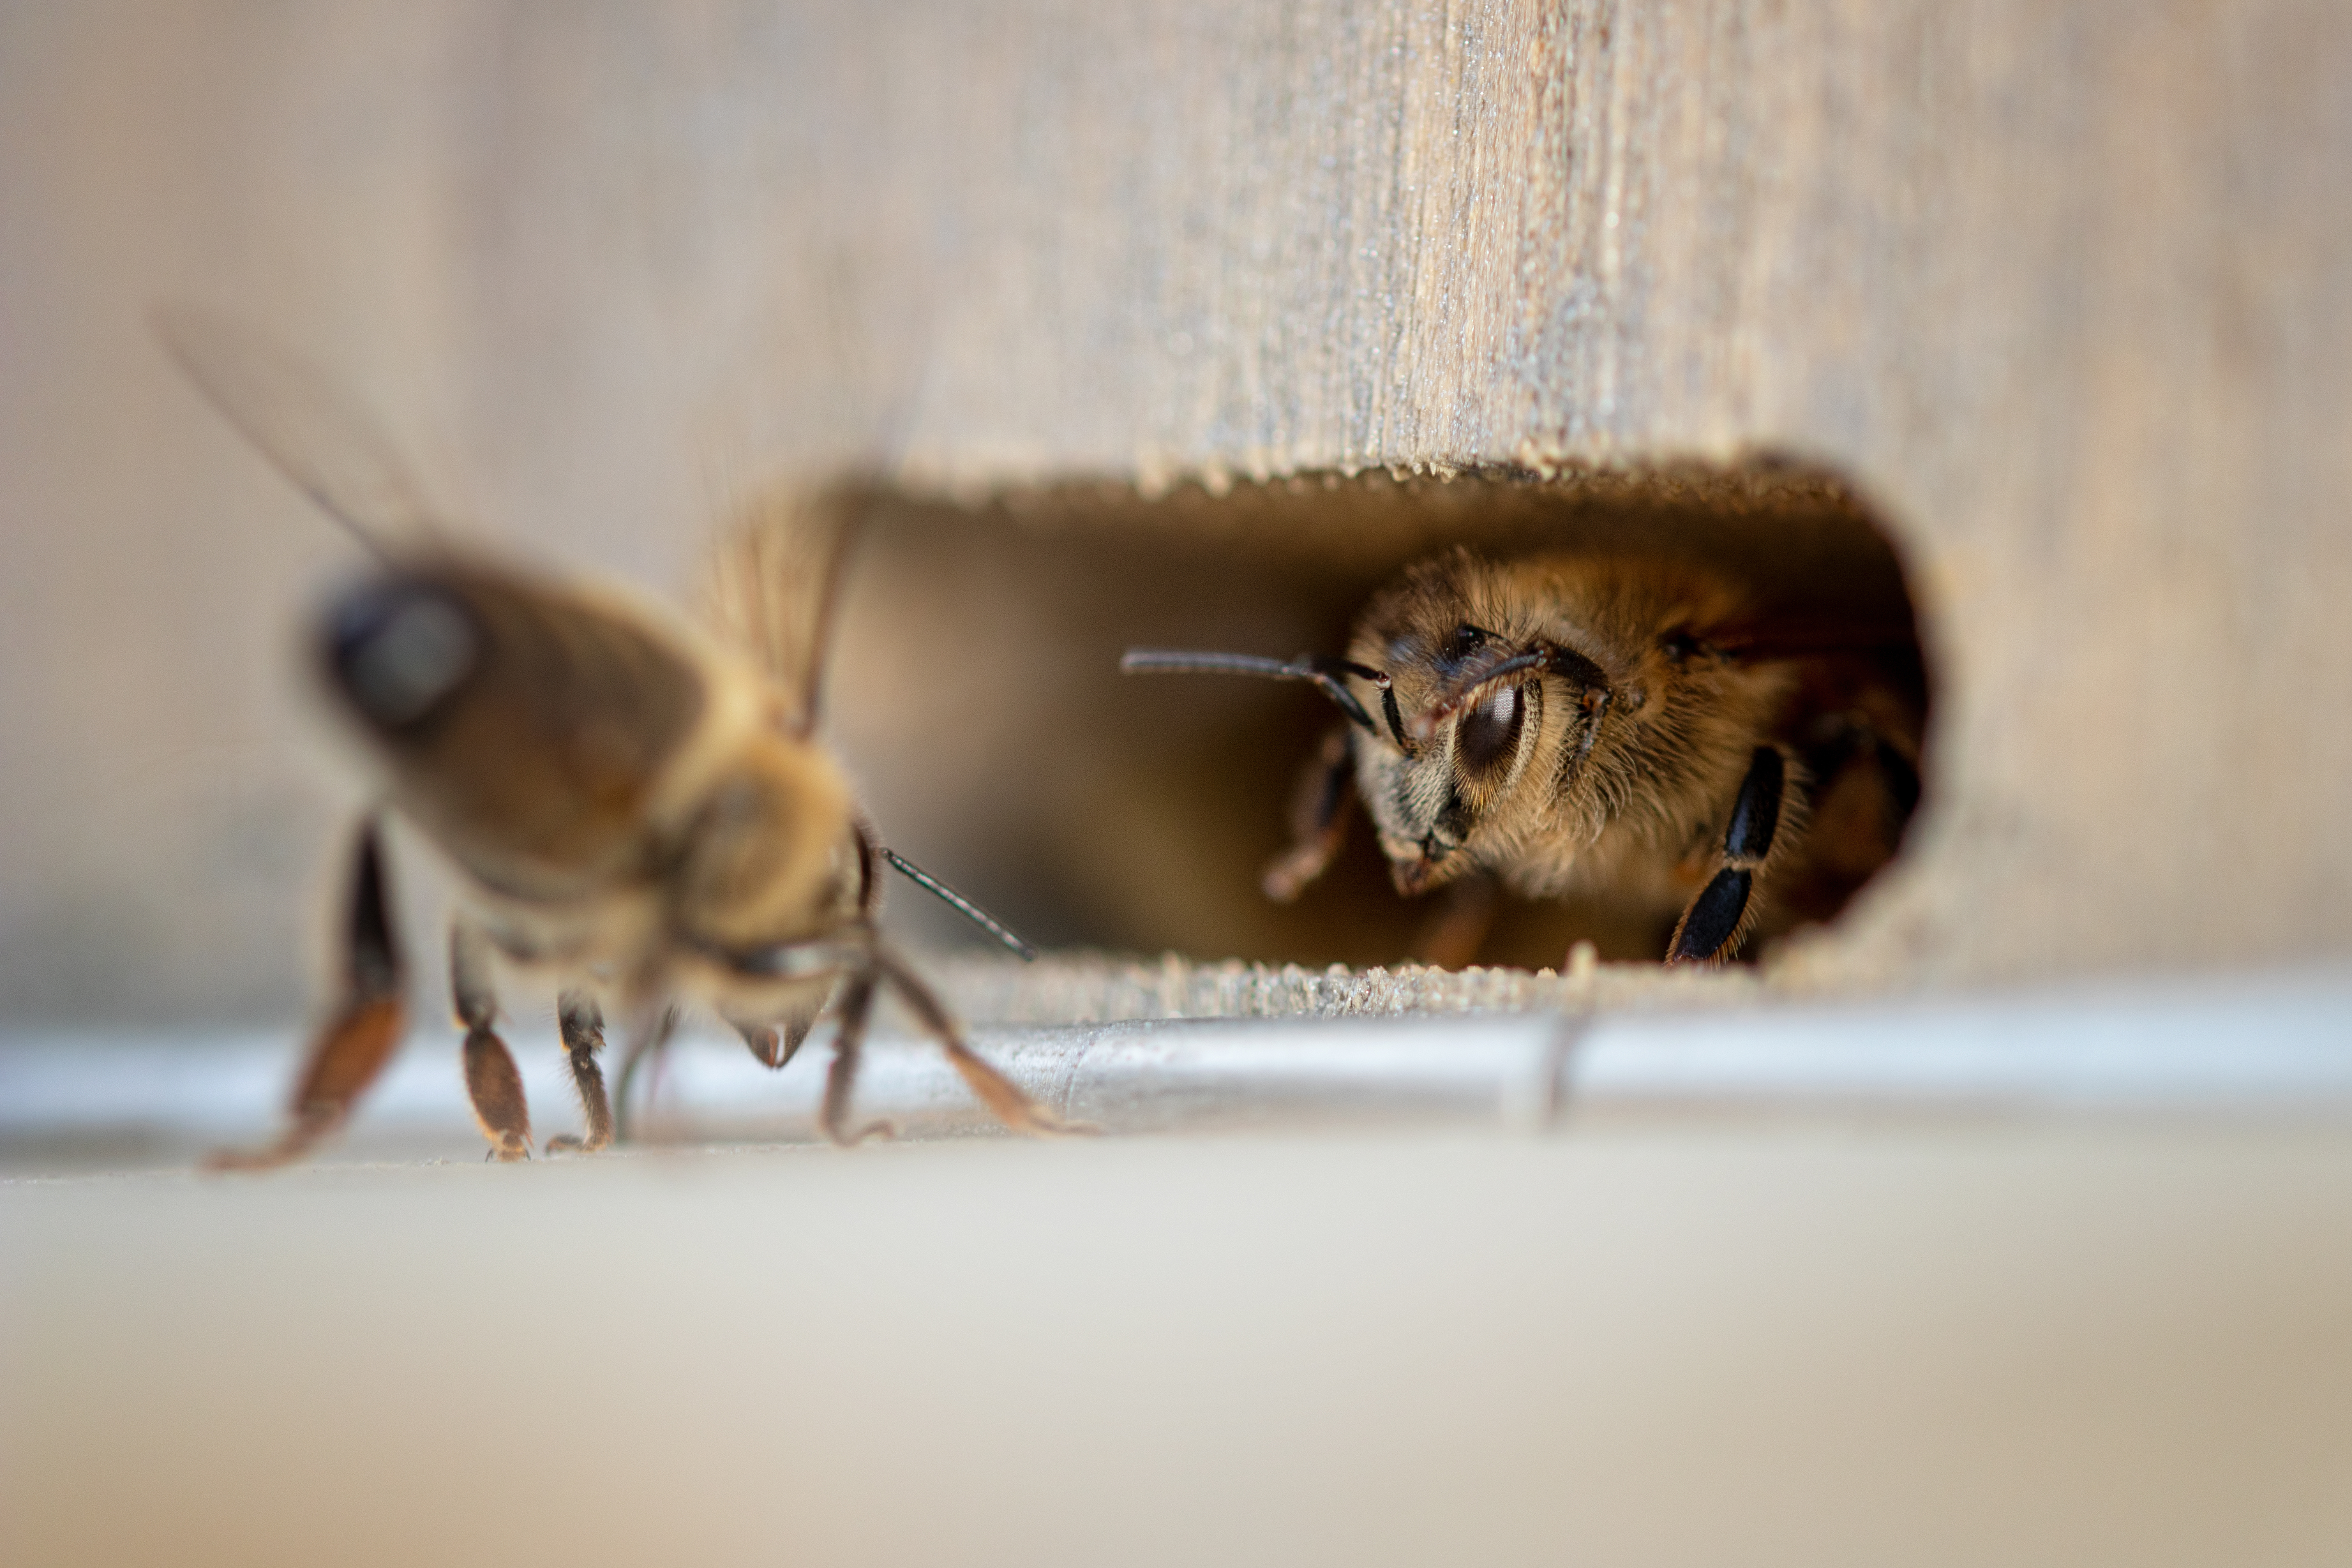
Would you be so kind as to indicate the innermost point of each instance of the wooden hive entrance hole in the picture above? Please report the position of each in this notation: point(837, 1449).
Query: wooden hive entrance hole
point(976, 692)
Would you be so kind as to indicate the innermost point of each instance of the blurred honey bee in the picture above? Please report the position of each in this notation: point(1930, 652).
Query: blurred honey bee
point(625, 800)
point(1571, 724)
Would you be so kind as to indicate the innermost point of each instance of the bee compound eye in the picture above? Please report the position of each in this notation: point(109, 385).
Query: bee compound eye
point(397, 650)
point(1461, 643)
point(1488, 734)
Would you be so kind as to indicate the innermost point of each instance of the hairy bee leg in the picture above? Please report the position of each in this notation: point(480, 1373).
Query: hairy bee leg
point(1711, 927)
point(841, 1077)
point(1319, 819)
point(582, 1023)
point(495, 1087)
point(863, 965)
point(996, 1091)
point(491, 1081)
point(649, 1041)
point(352, 1049)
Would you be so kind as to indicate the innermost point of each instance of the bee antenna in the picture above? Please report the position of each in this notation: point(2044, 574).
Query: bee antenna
point(1321, 670)
point(962, 905)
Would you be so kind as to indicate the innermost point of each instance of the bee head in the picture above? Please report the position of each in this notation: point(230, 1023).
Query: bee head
point(398, 650)
point(1445, 687)
point(1488, 700)
point(1436, 784)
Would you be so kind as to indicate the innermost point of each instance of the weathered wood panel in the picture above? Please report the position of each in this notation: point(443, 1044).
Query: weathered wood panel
point(2067, 288)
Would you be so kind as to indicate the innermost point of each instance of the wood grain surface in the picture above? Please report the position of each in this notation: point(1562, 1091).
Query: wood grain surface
point(2064, 290)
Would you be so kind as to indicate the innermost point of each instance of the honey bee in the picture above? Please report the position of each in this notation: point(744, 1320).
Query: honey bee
point(625, 800)
point(1571, 724)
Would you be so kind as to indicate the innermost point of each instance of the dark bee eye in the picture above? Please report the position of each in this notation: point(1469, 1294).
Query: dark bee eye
point(399, 648)
point(1489, 733)
point(1466, 640)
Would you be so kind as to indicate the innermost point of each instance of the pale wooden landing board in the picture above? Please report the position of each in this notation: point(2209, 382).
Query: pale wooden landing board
point(1759, 1342)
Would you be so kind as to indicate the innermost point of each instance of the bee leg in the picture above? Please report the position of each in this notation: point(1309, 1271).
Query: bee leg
point(996, 1091)
point(1900, 773)
point(582, 1023)
point(841, 1077)
point(491, 1081)
point(366, 1028)
point(649, 1040)
point(1319, 819)
point(1465, 914)
point(1711, 928)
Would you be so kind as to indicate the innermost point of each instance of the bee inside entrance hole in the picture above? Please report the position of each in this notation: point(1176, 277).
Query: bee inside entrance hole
point(1678, 713)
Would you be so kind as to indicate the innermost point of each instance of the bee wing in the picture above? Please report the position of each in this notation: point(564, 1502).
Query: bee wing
point(777, 581)
point(311, 432)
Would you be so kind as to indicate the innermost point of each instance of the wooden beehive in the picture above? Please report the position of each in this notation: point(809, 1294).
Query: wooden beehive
point(2064, 294)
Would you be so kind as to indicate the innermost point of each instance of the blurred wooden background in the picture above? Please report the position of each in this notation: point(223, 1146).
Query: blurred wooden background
point(2064, 289)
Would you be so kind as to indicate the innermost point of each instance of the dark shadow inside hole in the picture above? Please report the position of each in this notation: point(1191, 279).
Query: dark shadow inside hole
point(976, 694)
